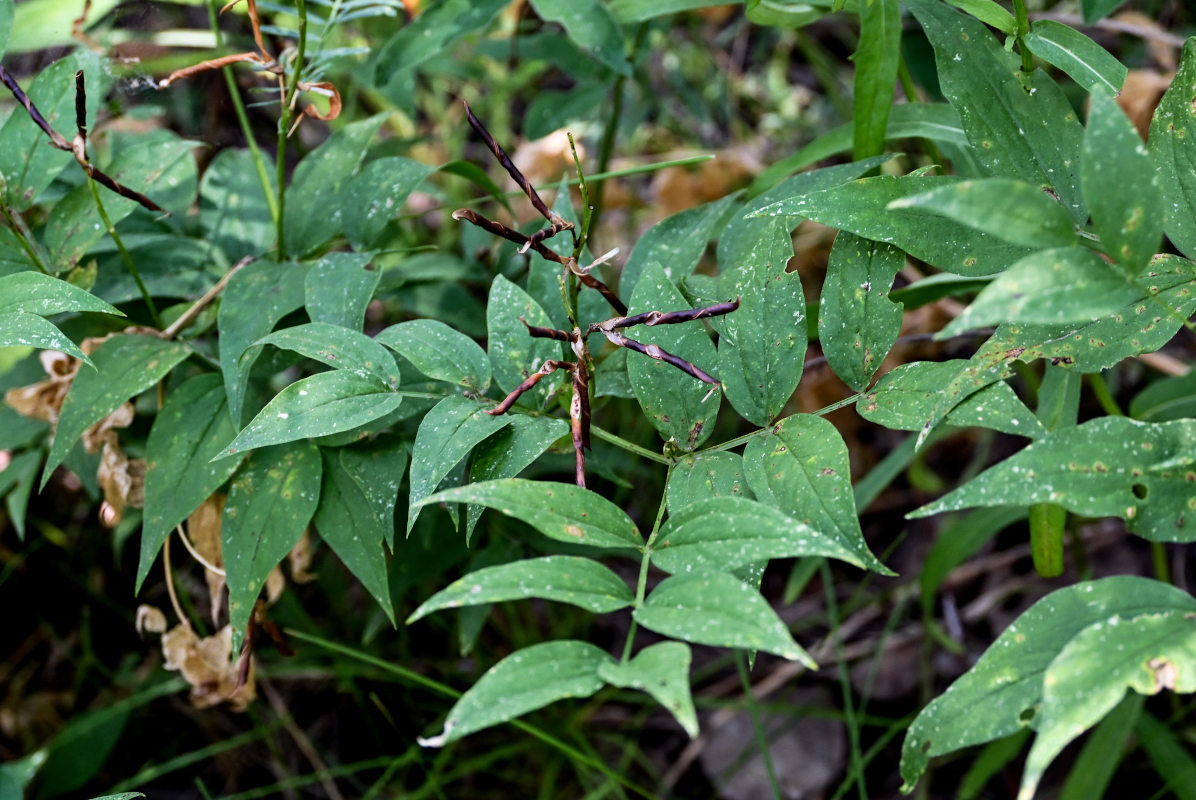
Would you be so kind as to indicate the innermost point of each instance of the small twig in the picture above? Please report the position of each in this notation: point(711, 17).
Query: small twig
point(208, 565)
point(199, 305)
point(547, 368)
point(279, 707)
point(174, 598)
point(660, 354)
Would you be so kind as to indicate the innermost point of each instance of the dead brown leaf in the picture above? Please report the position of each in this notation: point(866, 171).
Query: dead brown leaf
point(208, 666)
point(300, 558)
point(203, 529)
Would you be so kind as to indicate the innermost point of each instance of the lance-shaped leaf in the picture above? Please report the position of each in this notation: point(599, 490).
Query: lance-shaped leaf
point(718, 609)
point(582, 582)
point(1012, 210)
point(1052, 287)
point(801, 467)
point(863, 207)
point(680, 407)
point(514, 353)
point(527, 679)
point(270, 502)
point(626, 11)
point(591, 27)
point(661, 670)
point(717, 473)
point(509, 451)
point(354, 525)
point(1089, 677)
point(125, 366)
point(232, 209)
point(192, 428)
point(320, 404)
point(1121, 187)
point(376, 195)
point(876, 61)
point(338, 288)
point(1172, 145)
point(1008, 680)
point(445, 436)
point(857, 322)
point(431, 33)
point(338, 347)
point(35, 293)
point(1084, 61)
point(1020, 126)
point(675, 244)
point(560, 511)
point(319, 186)
point(909, 395)
point(440, 352)
point(726, 533)
point(377, 468)
point(253, 302)
point(22, 329)
point(1107, 467)
point(763, 342)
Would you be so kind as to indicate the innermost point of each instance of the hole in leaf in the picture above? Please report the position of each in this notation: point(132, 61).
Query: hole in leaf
point(1027, 715)
point(925, 747)
point(1140, 490)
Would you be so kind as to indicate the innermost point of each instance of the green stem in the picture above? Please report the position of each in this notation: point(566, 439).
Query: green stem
point(606, 147)
point(1023, 28)
point(757, 724)
point(630, 447)
point(124, 254)
point(641, 585)
point(1158, 555)
point(285, 116)
point(1046, 538)
point(17, 225)
point(234, 94)
point(1100, 390)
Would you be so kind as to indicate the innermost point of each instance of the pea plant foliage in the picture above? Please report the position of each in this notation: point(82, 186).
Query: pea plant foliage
point(202, 353)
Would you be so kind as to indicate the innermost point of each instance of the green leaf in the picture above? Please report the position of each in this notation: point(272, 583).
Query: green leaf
point(527, 679)
point(376, 195)
point(907, 397)
point(876, 60)
point(582, 582)
point(348, 519)
point(320, 404)
point(675, 244)
point(6, 15)
point(763, 342)
point(1066, 285)
point(1089, 677)
point(862, 208)
point(513, 352)
point(1101, 756)
point(724, 534)
point(716, 473)
point(1168, 755)
point(1120, 186)
point(125, 366)
point(233, 211)
point(21, 329)
point(445, 436)
point(270, 502)
point(626, 11)
point(1166, 399)
point(560, 511)
point(989, 12)
point(192, 428)
point(341, 348)
point(338, 288)
point(661, 670)
point(857, 322)
point(1094, 10)
point(440, 352)
point(255, 299)
point(1020, 126)
point(1008, 680)
point(378, 468)
point(509, 451)
point(318, 191)
point(1172, 145)
point(45, 296)
point(680, 407)
point(17, 481)
point(783, 13)
point(1107, 467)
point(160, 166)
point(28, 162)
point(718, 609)
point(431, 33)
point(1084, 61)
point(1011, 210)
point(591, 27)
point(801, 467)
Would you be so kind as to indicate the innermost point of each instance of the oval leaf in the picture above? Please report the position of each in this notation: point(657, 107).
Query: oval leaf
point(661, 670)
point(513, 352)
point(376, 196)
point(22, 329)
point(1172, 145)
point(440, 352)
point(582, 582)
point(338, 288)
point(45, 296)
point(718, 609)
point(716, 473)
point(527, 679)
point(590, 25)
point(340, 348)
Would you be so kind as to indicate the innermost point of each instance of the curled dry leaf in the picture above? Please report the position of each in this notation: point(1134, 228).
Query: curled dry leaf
point(150, 619)
point(203, 529)
point(276, 582)
point(103, 432)
point(43, 400)
point(324, 89)
point(300, 558)
point(207, 665)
